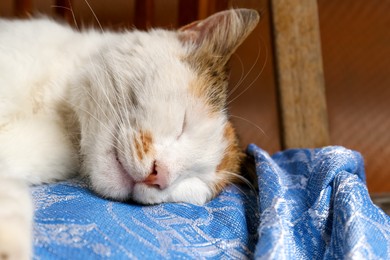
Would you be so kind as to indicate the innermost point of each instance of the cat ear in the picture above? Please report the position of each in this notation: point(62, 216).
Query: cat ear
point(221, 33)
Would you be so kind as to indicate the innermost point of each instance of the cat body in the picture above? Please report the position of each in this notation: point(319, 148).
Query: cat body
point(141, 114)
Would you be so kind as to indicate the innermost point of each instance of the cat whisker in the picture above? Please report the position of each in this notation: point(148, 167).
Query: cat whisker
point(118, 114)
point(97, 103)
point(95, 118)
point(103, 87)
point(70, 8)
point(243, 75)
point(116, 138)
point(118, 86)
point(118, 117)
point(250, 122)
point(242, 78)
point(61, 7)
point(124, 100)
point(123, 110)
point(94, 15)
point(241, 179)
point(73, 16)
point(121, 116)
point(258, 75)
point(98, 82)
point(131, 144)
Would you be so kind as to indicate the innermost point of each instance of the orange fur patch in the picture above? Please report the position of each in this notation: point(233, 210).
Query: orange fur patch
point(138, 149)
point(231, 162)
point(146, 139)
point(214, 96)
point(143, 144)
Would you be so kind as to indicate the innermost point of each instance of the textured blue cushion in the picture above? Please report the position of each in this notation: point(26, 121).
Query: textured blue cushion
point(73, 223)
point(312, 203)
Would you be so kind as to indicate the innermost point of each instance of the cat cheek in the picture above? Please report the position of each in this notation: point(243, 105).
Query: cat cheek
point(110, 180)
point(110, 186)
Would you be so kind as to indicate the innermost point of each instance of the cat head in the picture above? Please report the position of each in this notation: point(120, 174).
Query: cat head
point(152, 110)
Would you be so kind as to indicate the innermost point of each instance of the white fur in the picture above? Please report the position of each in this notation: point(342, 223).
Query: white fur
point(15, 219)
point(46, 68)
point(75, 102)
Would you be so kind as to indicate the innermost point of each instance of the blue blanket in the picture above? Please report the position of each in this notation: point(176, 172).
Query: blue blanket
point(311, 204)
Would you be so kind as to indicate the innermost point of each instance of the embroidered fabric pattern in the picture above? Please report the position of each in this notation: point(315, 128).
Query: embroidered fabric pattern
point(312, 203)
point(71, 221)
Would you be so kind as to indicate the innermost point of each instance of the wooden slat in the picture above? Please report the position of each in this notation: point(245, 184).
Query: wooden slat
point(22, 8)
point(299, 72)
point(144, 14)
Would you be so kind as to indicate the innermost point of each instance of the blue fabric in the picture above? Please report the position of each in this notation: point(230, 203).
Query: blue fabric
point(73, 223)
point(312, 204)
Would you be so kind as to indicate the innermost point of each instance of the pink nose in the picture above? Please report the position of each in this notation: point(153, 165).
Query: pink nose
point(158, 177)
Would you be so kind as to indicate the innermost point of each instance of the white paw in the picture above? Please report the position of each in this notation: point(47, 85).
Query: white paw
point(15, 239)
point(16, 214)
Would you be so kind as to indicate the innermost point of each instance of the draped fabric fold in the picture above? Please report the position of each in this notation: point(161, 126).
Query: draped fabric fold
point(314, 204)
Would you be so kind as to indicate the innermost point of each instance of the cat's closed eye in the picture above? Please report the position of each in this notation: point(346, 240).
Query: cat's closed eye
point(183, 126)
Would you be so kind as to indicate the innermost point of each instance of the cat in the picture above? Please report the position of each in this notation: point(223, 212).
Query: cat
point(142, 114)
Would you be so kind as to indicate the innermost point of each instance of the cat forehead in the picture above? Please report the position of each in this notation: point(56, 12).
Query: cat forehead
point(159, 67)
point(147, 54)
point(161, 45)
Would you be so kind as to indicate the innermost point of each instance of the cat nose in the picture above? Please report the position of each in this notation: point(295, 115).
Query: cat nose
point(158, 176)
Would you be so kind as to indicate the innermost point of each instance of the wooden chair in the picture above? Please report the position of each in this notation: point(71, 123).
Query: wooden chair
point(298, 60)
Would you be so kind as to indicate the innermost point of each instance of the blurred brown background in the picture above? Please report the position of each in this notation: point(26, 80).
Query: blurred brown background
point(356, 55)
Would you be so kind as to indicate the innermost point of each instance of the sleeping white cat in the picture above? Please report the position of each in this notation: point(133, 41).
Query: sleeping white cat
point(142, 114)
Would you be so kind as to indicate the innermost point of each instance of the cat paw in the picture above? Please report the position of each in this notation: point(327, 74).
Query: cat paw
point(16, 215)
point(15, 240)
